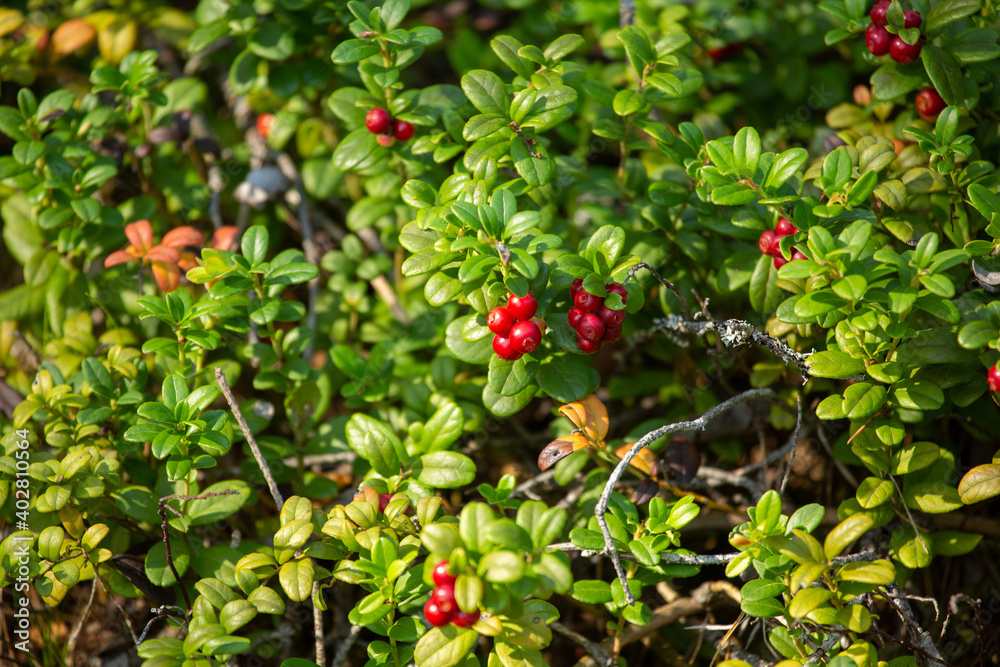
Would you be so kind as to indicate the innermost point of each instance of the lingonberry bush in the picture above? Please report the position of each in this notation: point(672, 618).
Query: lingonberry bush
point(499, 333)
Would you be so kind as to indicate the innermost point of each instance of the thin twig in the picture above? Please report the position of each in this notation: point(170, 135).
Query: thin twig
point(254, 447)
point(663, 281)
point(922, 640)
point(71, 642)
point(308, 243)
point(345, 646)
point(665, 558)
point(793, 442)
point(318, 627)
point(601, 656)
point(643, 442)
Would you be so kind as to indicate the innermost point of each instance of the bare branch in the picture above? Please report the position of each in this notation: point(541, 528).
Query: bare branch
point(794, 441)
point(663, 281)
point(254, 447)
point(308, 242)
point(922, 640)
point(643, 442)
point(601, 656)
point(345, 646)
point(318, 627)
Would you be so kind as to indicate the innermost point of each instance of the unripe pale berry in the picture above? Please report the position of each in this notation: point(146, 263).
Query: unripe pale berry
point(385, 140)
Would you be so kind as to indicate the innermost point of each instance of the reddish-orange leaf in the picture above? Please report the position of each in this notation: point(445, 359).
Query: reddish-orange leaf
point(163, 253)
point(589, 415)
point(183, 236)
point(119, 257)
point(140, 235)
point(168, 276)
point(223, 237)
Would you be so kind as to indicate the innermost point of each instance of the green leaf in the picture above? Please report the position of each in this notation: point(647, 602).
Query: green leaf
point(950, 11)
point(980, 483)
point(565, 378)
point(508, 378)
point(354, 50)
point(807, 600)
point(767, 608)
point(216, 508)
point(762, 589)
point(834, 364)
point(158, 570)
point(536, 171)
point(591, 591)
point(272, 41)
point(873, 492)
point(254, 244)
point(501, 567)
point(296, 577)
point(746, 150)
point(487, 92)
point(784, 167)
point(932, 497)
point(447, 470)
point(944, 73)
point(855, 617)
point(863, 399)
point(845, 533)
point(445, 646)
point(918, 394)
point(889, 82)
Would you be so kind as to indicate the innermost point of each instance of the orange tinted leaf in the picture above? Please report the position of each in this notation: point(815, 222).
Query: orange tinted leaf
point(140, 235)
point(70, 36)
point(187, 261)
point(223, 237)
point(163, 253)
point(589, 415)
point(559, 449)
point(118, 257)
point(183, 236)
point(643, 460)
point(168, 276)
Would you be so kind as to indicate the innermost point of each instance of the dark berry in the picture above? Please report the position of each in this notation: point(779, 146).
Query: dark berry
point(500, 321)
point(611, 334)
point(403, 130)
point(435, 615)
point(768, 242)
point(522, 307)
point(377, 120)
point(385, 140)
point(574, 316)
point(903, 53)
point(505, 349)
point(784, 227)
point(525, 337)
point(440, 575)
point(383, 501)
point(587, 346)
point(612, 318)
point(264, 123)
point(591, 327)
point(575, 287)
point(464, 619)
point(587, 302)
point(929, 104)
point(912, 19)
point(877, 14)
point(877, 40)
point(993, 378)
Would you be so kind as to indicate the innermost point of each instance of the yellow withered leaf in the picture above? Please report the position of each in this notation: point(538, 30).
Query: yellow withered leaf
point(559, 449)
point(643, 460)
point(589, 415)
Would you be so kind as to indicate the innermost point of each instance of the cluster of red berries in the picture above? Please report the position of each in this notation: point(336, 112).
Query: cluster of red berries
point(594, 322)
point(378, 121)
point(993, 378)
point(880, 42)
point(929, 104)
point(517, 329)
point(770, 243)
point(441, 608)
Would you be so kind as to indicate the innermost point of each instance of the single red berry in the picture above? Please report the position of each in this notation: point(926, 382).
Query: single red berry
point(587, 346)
point(611, 334)
point(444, 597)
point(912, 19)
point(612, 318)
point(993, 378)
point(929, 104)
point(500, 321)
point(903, 53)
point(724, 52)
point(264, 123)
point(441, 576)
point(779, 261)
point(877, 14)
point(619, 289)
point(574, 316)
point(591, 327)
point(505, 349)
point(403, 130)
point(575, 287)
point(522, 307)
point(796, 255)
point(464, 619)
point(385, 140)
point(525, 337)
point(877, 40)
point(587, 302)
point(540, 323)
point(784, 227)
point(377, 120)
point(767, 242)
point(383, 501)
point(435, 615)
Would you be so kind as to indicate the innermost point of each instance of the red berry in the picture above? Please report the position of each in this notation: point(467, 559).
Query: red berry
point(929, 104)
point(522, 307)
point(505, 349)
point(435, 615)
point(784, 228)
point(796, 255)
point(575, 287)
point(377, 120)
point(525, 337)
point(993, 378)
point(768, 242)
point(464, 619)
point(540, 323)
point(588, 346)
point(441, 576)
point(587, 302)
point(591, 327)
point(574, 316)
point(612, 318)
point(912, 19)
point(403, 130)
point(877, 40)
point(500, 321)
point(385, 140)
point(779, 261)
point(264, 123)
point(383, 501)
point(444, 597)
point(611, 334)
point(903, 53)
point(877, 14)
point(619, 289)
